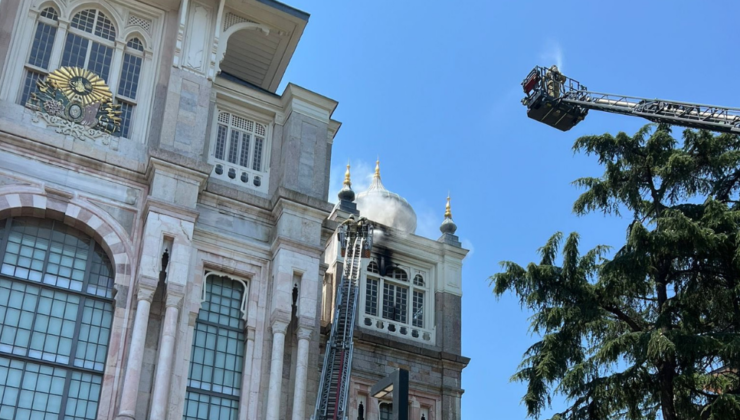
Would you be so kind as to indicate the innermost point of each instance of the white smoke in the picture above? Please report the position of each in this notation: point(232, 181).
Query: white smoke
point(429, 221)
point(388, 211)
point(361, 174)
point(466, 244)
point(553, 54)
point(425, 221)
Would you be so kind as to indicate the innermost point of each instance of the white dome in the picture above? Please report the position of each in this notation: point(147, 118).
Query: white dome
point(385, 207)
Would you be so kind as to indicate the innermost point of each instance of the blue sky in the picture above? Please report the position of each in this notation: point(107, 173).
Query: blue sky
point(433, 88)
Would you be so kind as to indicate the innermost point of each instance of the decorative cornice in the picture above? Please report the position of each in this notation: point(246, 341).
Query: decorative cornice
point(157, 205)
point(332, 131)
point(185, 169)
point(448, 360)
point(308, 103)
point(300, 247)
point(285, 197)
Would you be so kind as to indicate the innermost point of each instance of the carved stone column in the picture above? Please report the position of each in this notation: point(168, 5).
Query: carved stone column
point(144, 293)
point(276, 369)
point(163, 374)
point(301, 375)
point(247, 373)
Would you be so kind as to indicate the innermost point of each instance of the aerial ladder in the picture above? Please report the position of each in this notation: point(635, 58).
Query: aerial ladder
point(561, 102)
point(355, 239)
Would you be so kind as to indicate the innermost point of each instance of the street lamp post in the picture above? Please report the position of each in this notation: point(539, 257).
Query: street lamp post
point(396, 383)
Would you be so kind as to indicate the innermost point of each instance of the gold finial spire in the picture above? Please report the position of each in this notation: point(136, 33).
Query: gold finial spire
point(347, 182)
point(377, 169)
point(448, 213)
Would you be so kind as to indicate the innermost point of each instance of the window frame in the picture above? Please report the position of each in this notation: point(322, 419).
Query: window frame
point(93, 38)
point(12, 88)
point(235, 397)
point(226, 165)
point(83, 297)
point(385, 410)
point(378, 321)
point(31, 68)
point(121, 98)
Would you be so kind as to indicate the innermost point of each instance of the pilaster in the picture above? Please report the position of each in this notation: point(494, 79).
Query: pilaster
point(145, 289)
point(276, 369)
point(247, 373)
point(163, 374)
point(302, 363)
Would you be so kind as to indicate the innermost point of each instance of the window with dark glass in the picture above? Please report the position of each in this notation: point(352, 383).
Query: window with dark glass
point(388, 296)
point(417, 312)
point(386, 411)
point(395, 299)
point(89, 44)
point(56, 311)
point(37, 65)
point(133, 57)
point(217, 357)
point(240, 145)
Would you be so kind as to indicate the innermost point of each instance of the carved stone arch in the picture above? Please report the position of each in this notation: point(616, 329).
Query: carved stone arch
point(67, 207)
point(136, 32)
point(40, 5)
point(102, 5)
point(223, 41)
point(75, 212)
point(210, 260)
point(243, 282)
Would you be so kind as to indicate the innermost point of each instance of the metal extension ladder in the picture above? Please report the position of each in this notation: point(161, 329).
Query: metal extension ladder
point(331, 402)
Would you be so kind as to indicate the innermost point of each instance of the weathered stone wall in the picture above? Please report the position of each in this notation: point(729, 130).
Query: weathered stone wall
point(434, 376)
point(302, 161)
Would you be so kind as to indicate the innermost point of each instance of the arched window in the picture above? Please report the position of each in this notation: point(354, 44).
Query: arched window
point(392, 303)
point(37, 65)
point(90, 43)
point(56, 312)
point(217, 358)
point(128, 83)
point(399, 274)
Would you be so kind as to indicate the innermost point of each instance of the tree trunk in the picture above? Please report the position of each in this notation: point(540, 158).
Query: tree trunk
point(666, 368)
point(666, 372)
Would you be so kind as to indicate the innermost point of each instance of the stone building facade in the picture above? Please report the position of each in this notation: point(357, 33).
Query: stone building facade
point(184, 265)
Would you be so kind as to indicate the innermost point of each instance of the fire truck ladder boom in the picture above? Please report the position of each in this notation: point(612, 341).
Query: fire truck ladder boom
point(331, 400)
point(562, 102)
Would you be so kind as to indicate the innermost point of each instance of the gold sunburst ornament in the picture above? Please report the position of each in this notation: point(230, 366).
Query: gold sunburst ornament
point(78, 96)
point(80, 85)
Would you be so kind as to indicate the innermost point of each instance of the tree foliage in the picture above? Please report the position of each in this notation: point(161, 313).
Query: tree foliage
point(652, 331)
